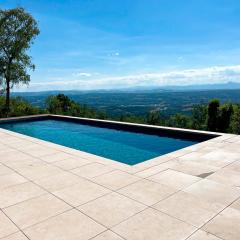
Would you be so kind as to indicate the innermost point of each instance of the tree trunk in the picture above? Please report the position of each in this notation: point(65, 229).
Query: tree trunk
point(7, 97)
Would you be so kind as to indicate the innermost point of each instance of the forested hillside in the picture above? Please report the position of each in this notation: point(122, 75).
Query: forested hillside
point(116, 103)
point(213, 116)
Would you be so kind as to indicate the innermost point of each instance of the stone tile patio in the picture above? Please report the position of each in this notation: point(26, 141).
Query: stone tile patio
point(51, 192)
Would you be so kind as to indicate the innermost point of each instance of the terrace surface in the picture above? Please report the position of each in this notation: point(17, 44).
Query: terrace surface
point(51, 192)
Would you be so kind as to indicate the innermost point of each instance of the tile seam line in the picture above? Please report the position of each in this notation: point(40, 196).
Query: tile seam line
point(116, 191)
point(73, 207)
point(149, 207)
point(45, 142)
point(45, 191)
point(42, 144)
point(37, 157)
point(201, 228)
point(69, 203)
point(102, 175)
point(20, 230)
point(92, 238)
point(111, 190)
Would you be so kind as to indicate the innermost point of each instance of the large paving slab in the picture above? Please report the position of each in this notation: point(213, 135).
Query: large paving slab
point(51, 192)
point(151, 224)
point(70, 225)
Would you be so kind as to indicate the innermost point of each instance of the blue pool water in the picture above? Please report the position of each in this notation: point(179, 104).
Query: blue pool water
point(123, 146)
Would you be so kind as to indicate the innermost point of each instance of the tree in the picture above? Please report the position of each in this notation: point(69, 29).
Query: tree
point(180, 121)
point(213, 110)
point(63, 105)
point(154, 118)
point(224, 118)
point(18, 29)
point(199, 115)
point(19, 107)
point(235, 121)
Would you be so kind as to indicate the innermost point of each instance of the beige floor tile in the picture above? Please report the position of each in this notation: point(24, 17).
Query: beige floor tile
point(201, 235)
point(35, 210)
point(70, 225)
point(232, 147)
point(174, 179)
point(147, 192)
point(6, 226)
point(5, 170)
point(58, 156)
point(155, 169)
point(11, 180)
point(191, 156)
point(34, 172)
point(40, 151)
point(220, 195)
point(20, 143)
point(12, 155)
point(236, 205)
point(3, 151)
point(32, 144)
point(82, 192)
point(220, 158)
point(91, 170)
point(16, 165)
point(19, 193)
point(235, 166)
point(151, 225)
point(226, 225)
point(187, 208)
point(111, 209)
point(195, 169)
point(57, 182)
point(108, 235)
point(225, 176)
point(15, 236)
point(71, 163)
point(150, 163)
point(122, 167)
point(116, 179)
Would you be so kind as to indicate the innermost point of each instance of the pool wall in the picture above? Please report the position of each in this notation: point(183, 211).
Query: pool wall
point(132, 127)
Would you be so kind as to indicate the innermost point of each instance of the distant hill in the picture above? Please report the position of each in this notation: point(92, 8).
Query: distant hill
point(218, 86)
point(140, 102)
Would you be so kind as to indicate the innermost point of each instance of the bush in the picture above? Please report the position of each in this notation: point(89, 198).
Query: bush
point(235, 120)
point(18, 107)
point(63, 105)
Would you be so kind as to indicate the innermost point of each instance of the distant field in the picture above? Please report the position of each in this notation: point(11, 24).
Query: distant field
point(140, 103)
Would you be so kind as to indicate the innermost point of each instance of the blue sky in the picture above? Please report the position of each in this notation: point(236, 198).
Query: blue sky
point(93, 44)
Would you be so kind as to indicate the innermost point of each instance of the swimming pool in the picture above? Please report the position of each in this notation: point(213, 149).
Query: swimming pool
point(130, 147)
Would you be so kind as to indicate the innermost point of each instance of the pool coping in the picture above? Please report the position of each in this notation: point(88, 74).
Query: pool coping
point(216, 137)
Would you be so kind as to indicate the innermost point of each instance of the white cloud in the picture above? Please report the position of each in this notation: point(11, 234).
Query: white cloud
point(82, 74)
point(210, 75)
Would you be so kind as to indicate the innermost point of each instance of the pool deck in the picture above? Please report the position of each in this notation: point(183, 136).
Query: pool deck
point(51, 192)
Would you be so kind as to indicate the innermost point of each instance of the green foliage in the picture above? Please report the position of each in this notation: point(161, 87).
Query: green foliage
point(130, 118)
point(214, 116)
point(63, 105)
point(179, 121)
point(17, 31)
point(212, 119)
point(19, 107)
point(199, 116)
point(235, 121)
point(154, 118)
point(224, 117)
